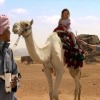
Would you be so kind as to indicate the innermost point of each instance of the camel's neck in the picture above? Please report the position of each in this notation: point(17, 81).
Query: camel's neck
point(33, 50)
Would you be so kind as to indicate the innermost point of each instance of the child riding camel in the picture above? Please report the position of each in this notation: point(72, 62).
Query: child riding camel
point(73, 54)
point(64, 25)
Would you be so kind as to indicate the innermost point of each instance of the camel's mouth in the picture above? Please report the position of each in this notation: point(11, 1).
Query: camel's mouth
point(15, 28)
point(15, 31)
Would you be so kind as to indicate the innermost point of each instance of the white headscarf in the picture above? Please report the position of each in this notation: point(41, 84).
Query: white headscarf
point(4, 23)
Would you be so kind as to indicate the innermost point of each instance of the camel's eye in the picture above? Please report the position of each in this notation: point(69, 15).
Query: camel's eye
point(26, 25)
point(15, 26)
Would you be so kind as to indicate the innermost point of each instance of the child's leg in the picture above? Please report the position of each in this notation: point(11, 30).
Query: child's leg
point(73, 38)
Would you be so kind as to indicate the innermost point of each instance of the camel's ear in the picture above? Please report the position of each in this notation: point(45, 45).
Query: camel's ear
point(31, 22)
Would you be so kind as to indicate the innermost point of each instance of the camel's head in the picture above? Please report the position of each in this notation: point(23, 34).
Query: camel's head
point(23, 28)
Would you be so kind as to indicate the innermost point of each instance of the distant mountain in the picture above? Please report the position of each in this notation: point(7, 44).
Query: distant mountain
point(20, 52)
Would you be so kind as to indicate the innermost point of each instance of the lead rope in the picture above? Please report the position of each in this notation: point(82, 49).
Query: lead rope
point(16, 43)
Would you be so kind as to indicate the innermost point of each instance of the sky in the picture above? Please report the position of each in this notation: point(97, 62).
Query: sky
point(85, 17)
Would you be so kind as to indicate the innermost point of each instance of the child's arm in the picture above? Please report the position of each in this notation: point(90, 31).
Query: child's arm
point(68, 24)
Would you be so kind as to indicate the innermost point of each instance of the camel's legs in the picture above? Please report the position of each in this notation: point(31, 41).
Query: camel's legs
point(59, 73)
point(49, 79)
point(76, 74)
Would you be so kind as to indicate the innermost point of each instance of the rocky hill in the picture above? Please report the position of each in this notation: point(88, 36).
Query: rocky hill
point(90, 55)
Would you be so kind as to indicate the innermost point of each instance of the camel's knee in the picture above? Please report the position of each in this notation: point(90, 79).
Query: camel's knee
point(77, 93)
point(55, 96)
point(77, 90)
point(51, 95)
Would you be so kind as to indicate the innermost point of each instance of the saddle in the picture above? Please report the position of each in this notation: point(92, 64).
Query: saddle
point(73, 57)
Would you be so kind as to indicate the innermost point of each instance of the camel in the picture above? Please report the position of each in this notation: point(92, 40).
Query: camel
point(51, 55)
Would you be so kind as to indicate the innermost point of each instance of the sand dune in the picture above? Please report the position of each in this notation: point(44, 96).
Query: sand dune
point(34, 84)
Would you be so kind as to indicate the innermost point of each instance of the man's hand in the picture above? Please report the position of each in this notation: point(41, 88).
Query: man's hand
point(14, 82)
point(83, 42)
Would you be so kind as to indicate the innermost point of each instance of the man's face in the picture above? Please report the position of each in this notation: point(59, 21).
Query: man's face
point(5, 36)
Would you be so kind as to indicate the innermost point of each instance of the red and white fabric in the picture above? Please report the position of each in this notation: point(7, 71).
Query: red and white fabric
point(4, 23)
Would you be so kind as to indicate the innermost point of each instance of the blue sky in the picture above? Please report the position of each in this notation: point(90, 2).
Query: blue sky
point(85, 16)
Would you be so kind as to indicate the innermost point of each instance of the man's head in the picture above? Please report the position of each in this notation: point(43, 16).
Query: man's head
point(4, 28)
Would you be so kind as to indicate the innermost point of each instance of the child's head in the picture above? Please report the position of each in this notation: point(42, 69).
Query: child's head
point(65, 14)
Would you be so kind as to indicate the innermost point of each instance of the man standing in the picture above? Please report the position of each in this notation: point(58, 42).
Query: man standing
point(8, 67)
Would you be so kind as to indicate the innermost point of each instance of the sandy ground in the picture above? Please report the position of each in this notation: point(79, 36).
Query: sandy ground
point(34, 84)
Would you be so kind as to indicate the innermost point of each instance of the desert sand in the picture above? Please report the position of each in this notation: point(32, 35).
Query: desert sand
point(33, 84)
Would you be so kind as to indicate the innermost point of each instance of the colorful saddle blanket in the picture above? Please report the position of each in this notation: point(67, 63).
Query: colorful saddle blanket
point(73, 57)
